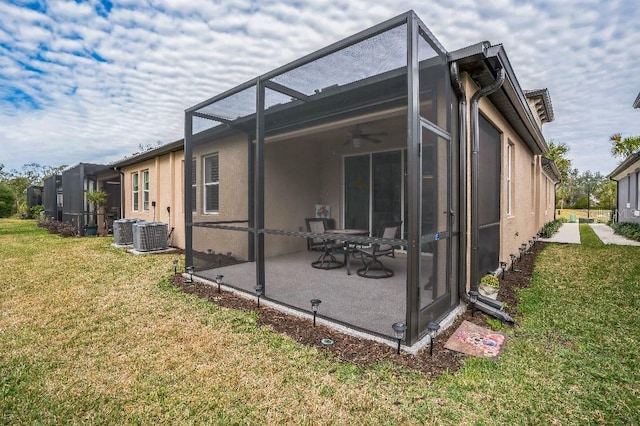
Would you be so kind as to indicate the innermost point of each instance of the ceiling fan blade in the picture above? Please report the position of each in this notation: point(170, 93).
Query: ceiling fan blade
point(366, 135)
point(373, 140)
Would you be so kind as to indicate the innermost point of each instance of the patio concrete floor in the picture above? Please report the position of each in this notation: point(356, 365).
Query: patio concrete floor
point(371, 305)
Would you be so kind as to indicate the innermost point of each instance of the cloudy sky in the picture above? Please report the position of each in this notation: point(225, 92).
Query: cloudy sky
point(93, 80)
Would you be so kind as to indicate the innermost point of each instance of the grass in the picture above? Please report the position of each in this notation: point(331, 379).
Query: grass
point(90, 334)
point(598, 215)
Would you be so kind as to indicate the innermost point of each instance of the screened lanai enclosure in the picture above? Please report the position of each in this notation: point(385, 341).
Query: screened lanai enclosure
point(360, 133)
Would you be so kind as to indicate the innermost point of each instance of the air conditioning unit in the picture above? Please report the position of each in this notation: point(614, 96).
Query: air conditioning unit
point(123, 231)
point(149, 236)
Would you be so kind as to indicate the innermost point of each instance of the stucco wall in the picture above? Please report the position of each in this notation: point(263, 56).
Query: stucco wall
point(165, 189)
point(233, 205)
point(529, 211)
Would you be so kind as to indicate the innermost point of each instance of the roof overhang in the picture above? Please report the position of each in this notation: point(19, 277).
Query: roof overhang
point(626, 167)
point(482, 62)
point(542, 103)
point(636, 104)
point(149, 154)
point(550, 169)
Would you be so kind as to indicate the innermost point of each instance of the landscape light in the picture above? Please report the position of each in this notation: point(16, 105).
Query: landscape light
point(433, 328)
point(315, 303)
point(399, 328)
point(503, 266)
point(259, 290)
point(190, 272)
point(175, 266)
point(473, 298)
point(219, 281)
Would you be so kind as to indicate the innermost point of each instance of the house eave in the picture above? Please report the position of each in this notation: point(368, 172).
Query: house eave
point(147, 155)
point(482, 61)
point(636, 104)
point(622, 170)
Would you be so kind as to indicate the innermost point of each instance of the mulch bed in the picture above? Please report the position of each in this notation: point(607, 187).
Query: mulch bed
point(364, 352)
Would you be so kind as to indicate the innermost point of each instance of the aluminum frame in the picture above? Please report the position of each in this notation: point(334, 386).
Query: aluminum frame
point(256, 169)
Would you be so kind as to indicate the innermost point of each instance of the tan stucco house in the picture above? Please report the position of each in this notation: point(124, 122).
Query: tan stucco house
point(383, 127)
point(152, 188)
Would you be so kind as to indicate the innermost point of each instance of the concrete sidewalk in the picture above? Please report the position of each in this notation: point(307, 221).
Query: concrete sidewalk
point(605, 233)
point(569, 233)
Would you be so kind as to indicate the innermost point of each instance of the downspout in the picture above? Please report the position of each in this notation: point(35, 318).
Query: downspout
point(475, 168)
point(119, 170)
point(458, 88)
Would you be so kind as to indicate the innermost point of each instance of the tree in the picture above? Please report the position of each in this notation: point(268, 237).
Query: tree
point(607, 194)
point(624, 147)
point(558, 153)
point(31, 174)
point(7, 201)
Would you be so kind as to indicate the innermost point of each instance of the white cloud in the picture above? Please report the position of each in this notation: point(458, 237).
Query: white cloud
point(163, 56)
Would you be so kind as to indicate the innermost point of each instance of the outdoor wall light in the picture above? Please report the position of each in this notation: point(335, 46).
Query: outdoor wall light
point(175, 266)
point(259, 289)
point(399, 328)
point(219, 281)
point(190, 272)
point(433, 328)
point(315, 303)
point(473, 298)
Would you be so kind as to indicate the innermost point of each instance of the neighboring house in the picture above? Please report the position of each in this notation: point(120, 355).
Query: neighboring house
point(52, 196)
point(152, 187)
point(384, 126)
point(627, 176)
point(34, 196)
point(83, 177)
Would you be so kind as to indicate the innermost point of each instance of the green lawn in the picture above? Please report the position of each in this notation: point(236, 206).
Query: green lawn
point(90, 334)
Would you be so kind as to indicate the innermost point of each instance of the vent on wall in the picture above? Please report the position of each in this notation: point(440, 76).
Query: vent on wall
point(149, 236)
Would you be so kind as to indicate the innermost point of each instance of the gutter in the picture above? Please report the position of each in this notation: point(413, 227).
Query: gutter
point(488, 306)
point(458, 87)
point(475, 168)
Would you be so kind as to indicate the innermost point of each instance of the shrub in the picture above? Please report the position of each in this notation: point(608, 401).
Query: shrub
point(7, 200)
point(627, 229)
point(490, 281)
point(56, 227)
point(551, 228)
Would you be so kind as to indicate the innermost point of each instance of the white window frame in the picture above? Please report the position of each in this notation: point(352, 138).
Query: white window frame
point(145, 190)
point(135, 189)
point(206, 184)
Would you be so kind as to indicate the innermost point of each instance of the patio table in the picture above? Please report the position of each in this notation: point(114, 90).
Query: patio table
point(348, 246)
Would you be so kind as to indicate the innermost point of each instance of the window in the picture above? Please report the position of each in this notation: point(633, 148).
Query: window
point(510, 151)
point(194, 205)
point(211, 184)
point(145, 190)
point(134, 190)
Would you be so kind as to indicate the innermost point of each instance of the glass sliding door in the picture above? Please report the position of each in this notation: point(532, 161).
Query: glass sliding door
point(357, 188)
point(374, 190)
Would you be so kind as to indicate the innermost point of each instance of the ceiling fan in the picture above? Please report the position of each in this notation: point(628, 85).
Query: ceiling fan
point(358, 138)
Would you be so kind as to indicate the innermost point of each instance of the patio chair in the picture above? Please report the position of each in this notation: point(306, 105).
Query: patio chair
point(317, 225)
point(373, 267)
point(327, 259)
